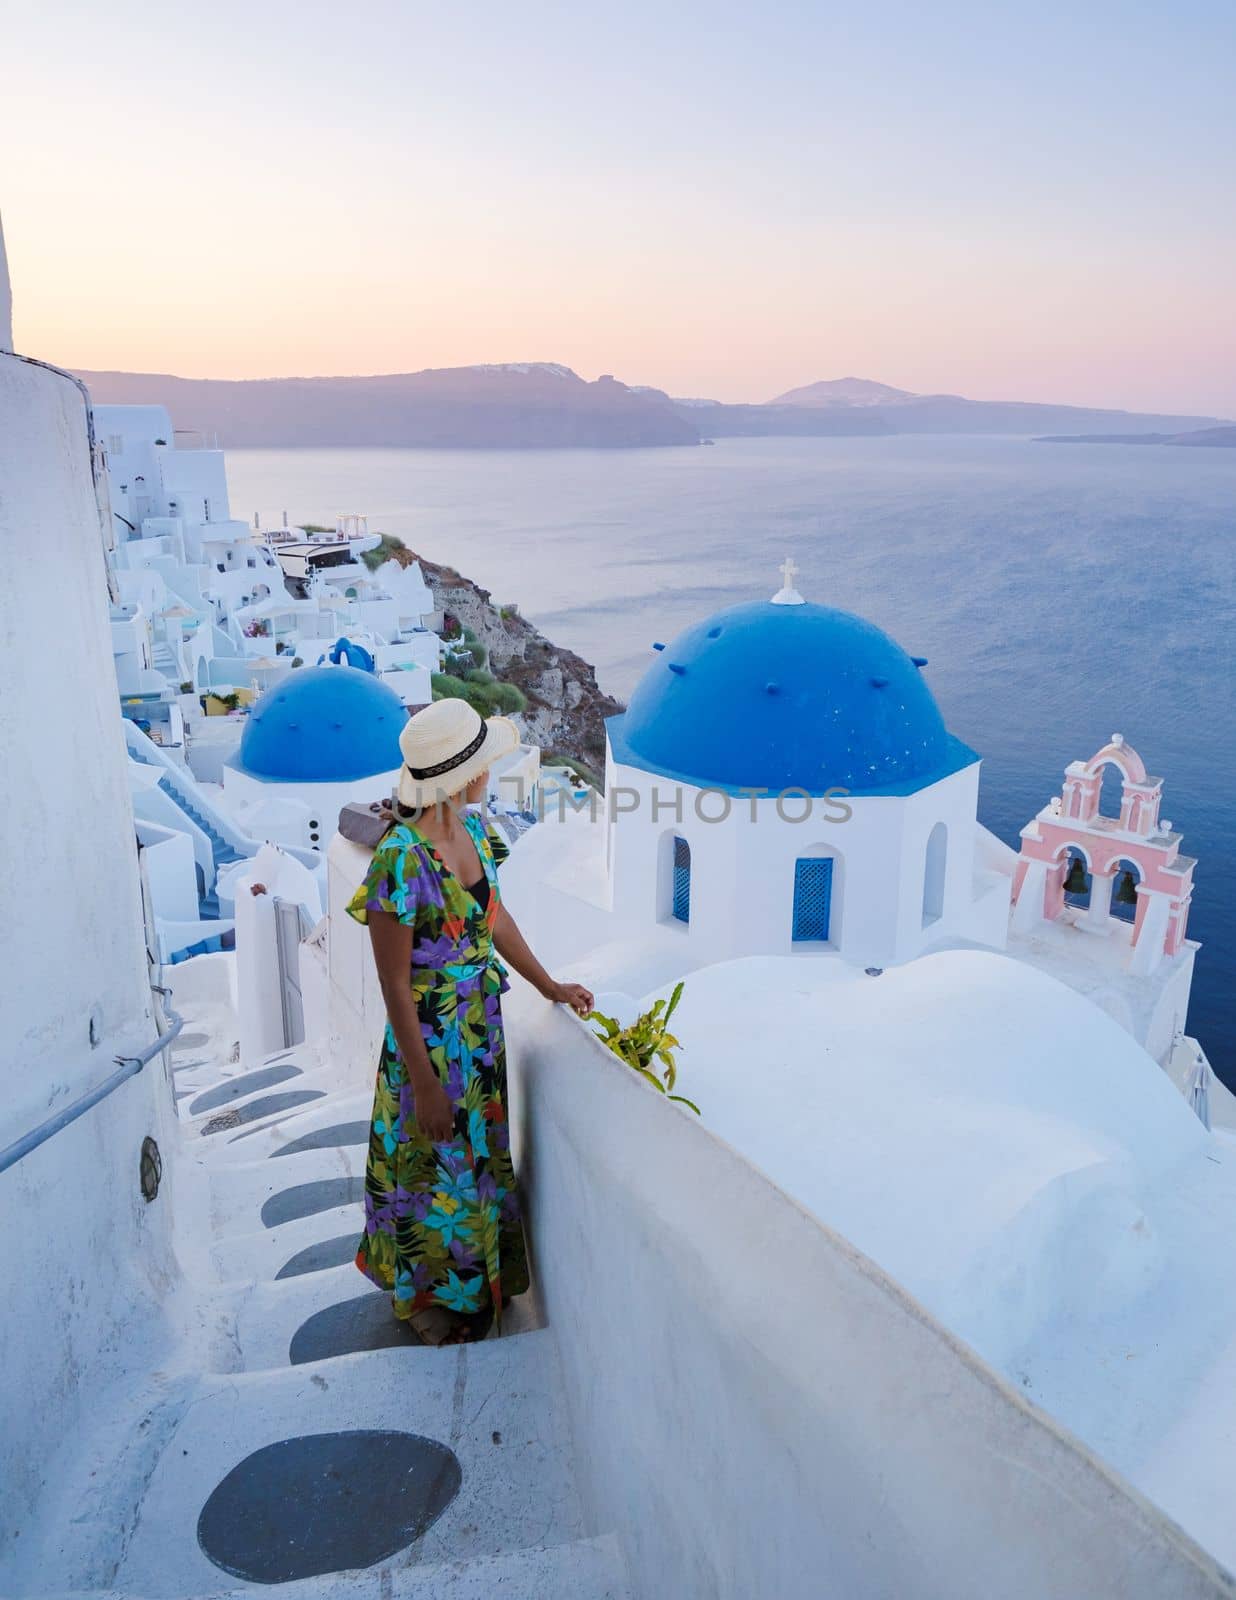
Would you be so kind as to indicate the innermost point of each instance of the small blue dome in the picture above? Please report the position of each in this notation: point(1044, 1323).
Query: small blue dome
point(764, 696)
point(323, 725)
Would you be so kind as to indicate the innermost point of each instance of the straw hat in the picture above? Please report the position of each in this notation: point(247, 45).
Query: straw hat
point(444, 746)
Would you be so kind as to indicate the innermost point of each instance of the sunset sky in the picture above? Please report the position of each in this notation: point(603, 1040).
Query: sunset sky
point(1002, 200)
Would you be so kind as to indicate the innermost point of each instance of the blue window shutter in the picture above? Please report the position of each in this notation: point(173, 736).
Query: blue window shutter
point(682, 880)
point(813, 896)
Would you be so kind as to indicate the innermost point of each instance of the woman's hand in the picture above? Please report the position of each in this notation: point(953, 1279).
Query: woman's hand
point(435, 1116)
point(571, 994)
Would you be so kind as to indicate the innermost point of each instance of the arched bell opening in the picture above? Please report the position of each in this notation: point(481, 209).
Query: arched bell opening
point(1126, 875)
point(1077, 879)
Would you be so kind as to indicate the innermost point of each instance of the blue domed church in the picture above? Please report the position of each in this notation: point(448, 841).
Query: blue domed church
point(322, 737)
point(782, 781)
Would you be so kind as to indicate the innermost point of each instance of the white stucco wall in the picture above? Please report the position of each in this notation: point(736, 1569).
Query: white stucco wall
point(195, 479)
point(69, 900)
point(170, 872)
point(273, 875)
point(357, 1014)
point(757, 1408)
point(83, 1258)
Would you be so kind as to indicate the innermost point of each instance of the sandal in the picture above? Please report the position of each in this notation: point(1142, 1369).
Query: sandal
point(434, 1325)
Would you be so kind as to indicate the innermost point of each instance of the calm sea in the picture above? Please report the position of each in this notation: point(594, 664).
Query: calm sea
point(1061, 592)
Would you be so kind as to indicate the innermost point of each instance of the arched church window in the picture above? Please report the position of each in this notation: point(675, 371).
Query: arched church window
point(933, 874)
point(813, 898)
point(681, 901)
point(1126, 875)
point(1077, 879)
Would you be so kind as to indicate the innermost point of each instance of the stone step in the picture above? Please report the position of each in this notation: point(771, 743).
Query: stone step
point(585, 1569)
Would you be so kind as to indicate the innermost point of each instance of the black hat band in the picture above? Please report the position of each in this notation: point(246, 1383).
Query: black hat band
point(455, 761)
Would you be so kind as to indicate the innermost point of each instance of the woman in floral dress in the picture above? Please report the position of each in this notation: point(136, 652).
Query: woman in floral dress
point(442, 1220)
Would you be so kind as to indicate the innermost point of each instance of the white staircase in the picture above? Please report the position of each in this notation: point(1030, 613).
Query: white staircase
point(120, 1512)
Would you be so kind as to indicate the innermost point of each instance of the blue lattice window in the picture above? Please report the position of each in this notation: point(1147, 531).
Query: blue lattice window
point(813, 897)
point(681, 904)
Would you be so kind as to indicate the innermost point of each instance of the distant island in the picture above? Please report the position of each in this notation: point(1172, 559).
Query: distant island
point(1220, 438)
point(540, 404)
point(534, 404)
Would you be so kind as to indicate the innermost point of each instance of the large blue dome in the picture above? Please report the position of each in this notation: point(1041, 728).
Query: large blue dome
point(323, 725)
point(765, 696)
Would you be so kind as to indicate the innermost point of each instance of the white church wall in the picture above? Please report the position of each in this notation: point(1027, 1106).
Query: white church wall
point(304, 814)
point(85, 1260)
point(864, 1425)
point(743, 870)
point(971, 906)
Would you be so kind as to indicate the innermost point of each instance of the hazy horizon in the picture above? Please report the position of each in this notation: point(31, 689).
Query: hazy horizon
point(1028, 206)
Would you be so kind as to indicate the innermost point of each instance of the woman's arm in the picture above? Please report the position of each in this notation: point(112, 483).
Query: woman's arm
point(513, 947)
point(392, 953)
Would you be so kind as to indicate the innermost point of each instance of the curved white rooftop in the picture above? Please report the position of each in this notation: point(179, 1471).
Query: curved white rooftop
point(1015, 1159)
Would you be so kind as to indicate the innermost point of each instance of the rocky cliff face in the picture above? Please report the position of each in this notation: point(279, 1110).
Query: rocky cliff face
point(566, 709)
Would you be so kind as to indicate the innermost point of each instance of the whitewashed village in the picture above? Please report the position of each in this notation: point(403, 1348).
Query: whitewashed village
point(935, 1295)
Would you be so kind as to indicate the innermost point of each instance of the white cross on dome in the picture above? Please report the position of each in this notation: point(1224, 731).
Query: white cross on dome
point(788, 595)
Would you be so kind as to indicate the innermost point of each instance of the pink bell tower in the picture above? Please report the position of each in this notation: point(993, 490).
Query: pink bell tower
point(1071, 836)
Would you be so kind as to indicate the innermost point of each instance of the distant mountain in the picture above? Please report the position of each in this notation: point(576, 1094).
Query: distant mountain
point(518, 406)
point(843, 392)
point(539, 404)
point(854, 405)
point(1221, 438)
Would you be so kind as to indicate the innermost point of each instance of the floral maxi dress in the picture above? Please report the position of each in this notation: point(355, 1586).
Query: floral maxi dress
point(442, 1222)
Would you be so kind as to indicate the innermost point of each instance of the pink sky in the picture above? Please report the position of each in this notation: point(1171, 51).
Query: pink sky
point(750, 205)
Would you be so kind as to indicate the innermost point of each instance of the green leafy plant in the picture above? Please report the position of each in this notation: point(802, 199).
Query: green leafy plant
point(647, 1046)
point(477, 650)
point(479, 689)
point(388, 548)
point(507, 697)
